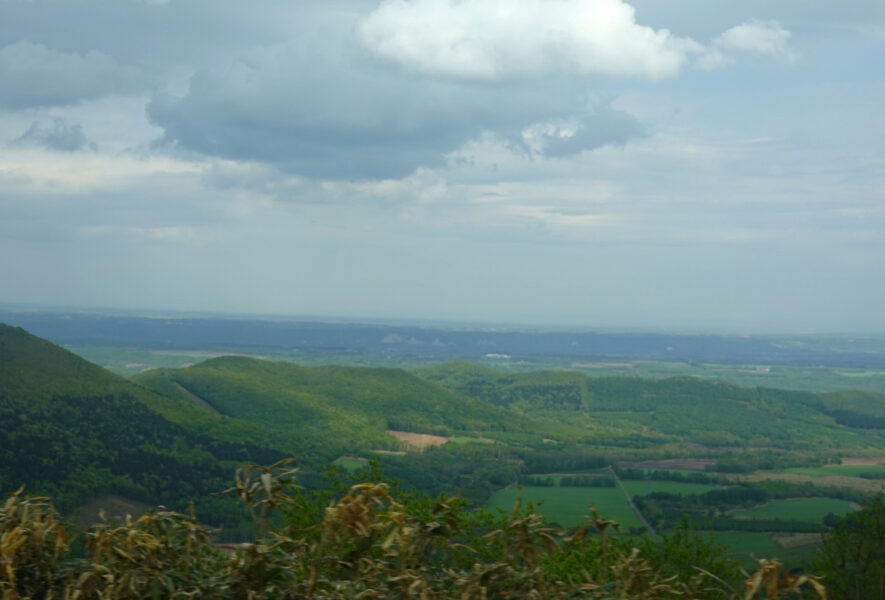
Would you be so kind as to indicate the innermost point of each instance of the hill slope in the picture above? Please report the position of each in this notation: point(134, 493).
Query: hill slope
point(699, 411)
point(865, 410)
point(72, 429)
point(350, 404)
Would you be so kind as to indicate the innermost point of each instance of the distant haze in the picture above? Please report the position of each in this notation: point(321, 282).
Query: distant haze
point(690, 165)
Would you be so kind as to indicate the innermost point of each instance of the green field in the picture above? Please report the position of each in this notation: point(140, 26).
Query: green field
point(641, 488)
point(567, 506)
point(745, 541)
point(809, 510)
point(839, 470)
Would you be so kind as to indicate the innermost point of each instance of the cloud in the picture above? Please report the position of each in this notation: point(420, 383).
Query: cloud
point(57, 134)
point(376, 96)
point(767, 38)
point(36, 76)
point(323, 109)
point(763, 37)
point(490, 39)
point(600, 126)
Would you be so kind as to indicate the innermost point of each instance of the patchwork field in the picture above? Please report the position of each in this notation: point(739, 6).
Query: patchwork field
point(844, 470)
point(842, 481)
point(809, 510)
point(641, 488)
point(685, 465)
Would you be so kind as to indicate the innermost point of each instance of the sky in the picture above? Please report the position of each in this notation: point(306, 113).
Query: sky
point(690, 165)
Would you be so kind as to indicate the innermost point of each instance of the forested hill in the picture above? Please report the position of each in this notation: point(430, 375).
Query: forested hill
point(76, 431)
point(332, 402)
point(865, 410)
point(699, 411)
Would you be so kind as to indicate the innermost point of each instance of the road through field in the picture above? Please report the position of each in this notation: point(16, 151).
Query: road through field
point(639, 515)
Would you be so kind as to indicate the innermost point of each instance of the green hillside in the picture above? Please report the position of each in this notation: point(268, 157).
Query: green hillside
point(72, 429)
point(353, 405)
point(349, 410)
point(702, 412)
point(865, 410)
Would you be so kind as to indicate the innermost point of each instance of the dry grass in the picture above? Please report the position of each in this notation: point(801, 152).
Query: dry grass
point(418, 441)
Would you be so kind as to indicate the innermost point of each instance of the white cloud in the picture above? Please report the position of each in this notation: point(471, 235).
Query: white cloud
point(767, 38)
point(84, 172)
point(500, 38)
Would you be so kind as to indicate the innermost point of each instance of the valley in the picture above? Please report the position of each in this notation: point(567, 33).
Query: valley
point(755, 467)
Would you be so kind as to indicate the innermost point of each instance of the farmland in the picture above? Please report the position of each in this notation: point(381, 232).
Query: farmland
point(811, 510)
point(842, 470)
point(640, 488)
point(567, 507)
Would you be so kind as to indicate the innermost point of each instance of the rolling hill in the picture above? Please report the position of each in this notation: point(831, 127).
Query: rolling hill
point(354, 405)
point(76, 431)
point(702, 412)
point(865, 410)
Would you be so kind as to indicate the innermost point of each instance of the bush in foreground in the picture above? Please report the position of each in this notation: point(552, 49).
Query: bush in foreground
point(364, 544)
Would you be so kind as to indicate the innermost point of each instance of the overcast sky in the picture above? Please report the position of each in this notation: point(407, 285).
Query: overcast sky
point(659, 164)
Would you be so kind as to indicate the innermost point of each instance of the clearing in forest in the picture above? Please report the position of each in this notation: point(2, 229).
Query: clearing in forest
point(418, 441)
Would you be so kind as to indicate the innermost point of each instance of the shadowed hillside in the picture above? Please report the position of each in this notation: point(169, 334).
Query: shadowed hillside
point(74, 430)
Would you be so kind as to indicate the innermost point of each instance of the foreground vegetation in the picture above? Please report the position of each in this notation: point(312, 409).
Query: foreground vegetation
point(365, 542)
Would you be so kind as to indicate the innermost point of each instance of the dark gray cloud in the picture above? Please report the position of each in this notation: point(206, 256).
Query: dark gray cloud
point(56, 134)
point(33, 75)
point(157, 36)
point(325, 108)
